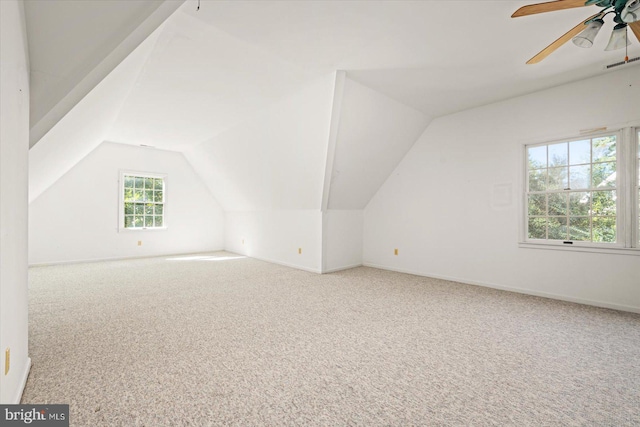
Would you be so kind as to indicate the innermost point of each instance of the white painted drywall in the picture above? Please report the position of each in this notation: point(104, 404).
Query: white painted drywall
point(74, 45)
point(83, 128)
point(275, 160)
point(276, 236)
point(14, 147)
point(374, 134)
point(439, 206)
point(342, 239)
point(77, 218)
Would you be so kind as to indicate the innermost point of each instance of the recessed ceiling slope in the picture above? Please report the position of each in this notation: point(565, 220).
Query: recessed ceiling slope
point(198, 82)
point(374, 134)
point(73, 45)
point(84, 128)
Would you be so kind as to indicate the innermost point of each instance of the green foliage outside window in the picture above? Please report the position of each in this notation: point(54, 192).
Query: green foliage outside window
point(143, 202)
point(572, 190)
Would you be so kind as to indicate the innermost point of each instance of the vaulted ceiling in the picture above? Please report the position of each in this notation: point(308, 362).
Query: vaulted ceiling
point(248, 90)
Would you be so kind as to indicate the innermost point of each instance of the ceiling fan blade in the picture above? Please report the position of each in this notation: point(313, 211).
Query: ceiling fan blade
point(562, 40)
point(635, 27)
point(551, 6)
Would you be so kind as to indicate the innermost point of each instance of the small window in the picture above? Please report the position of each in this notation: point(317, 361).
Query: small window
point(142, 201)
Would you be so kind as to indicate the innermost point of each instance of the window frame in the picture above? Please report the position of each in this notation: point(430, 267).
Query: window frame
point(627, 187)
point(121, 203)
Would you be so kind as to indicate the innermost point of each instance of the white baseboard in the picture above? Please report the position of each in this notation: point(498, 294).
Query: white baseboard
point(87, 260)
point(346, 267)
point(286, 264)
point(23, 382)
point(532, 292)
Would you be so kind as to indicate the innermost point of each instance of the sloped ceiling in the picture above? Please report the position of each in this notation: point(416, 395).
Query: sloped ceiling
point(224, 83)
point(73, 45)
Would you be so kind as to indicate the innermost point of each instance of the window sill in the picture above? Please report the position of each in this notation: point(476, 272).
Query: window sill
point(133, 230)
point(572, 248)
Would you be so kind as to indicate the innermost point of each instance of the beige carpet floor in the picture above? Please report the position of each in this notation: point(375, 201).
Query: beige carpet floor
point(218, 340)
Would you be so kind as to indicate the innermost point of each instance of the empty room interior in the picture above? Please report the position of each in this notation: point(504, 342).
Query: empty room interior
point(321, 212)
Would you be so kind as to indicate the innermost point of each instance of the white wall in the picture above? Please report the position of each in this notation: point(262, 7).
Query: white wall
point(77, 218)
point(14, 147)
point(274, 160)
point(438, 207)
point(268, 175)
point(84, 127)
point(276, 236)
point(374, 134)
point(342, 239)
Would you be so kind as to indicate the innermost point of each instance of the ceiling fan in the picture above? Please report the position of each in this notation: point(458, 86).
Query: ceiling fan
point(626, 15)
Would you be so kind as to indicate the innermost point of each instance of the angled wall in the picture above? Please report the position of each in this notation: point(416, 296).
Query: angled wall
point(76, 219)
point(374, 134)
point(14, 147)
point(439, 206)
point(268, 175)
point(74, 45)
point(84, 127)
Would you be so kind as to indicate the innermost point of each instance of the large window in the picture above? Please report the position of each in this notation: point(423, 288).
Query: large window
point(576, 191)
point(142, 202)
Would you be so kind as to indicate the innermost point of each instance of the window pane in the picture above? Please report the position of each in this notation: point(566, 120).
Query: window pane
point(158, 196)
point(537, 180)
point(159, 209)
point(537, 205)
point(148, 209)
point(604, 149)
point(604, 174)
point(148, 183)
point(138, 221)
point(128, 221)
point(579, 228)
point(138, 194)
point(128, 208)
point(158, 184)
point(604, 203)
point(579, 152)
point(537, 157)
point(158, 221)
point(139, 209)
point(558, 178)
point(537, 228)
point(579, 204)
point(148, 221)
point(128, 181)
point(139, 182)
point(558, 204)
point(604, 229)
point(128, 194)
point(148, 195)
point(558, 154)
point(558, 228)
point(579, 177)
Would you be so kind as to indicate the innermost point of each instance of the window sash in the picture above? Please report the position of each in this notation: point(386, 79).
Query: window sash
point(627, 192)
point(151, 190)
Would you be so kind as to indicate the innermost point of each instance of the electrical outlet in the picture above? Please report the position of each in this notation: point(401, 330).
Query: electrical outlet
point(299, 250)
point(7, 360)
point(395, 251)
point(139, 242)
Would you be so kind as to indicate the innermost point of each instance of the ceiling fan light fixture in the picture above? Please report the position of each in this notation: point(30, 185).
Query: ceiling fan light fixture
point(618, 38)
point(631, 12)
point(586, 37)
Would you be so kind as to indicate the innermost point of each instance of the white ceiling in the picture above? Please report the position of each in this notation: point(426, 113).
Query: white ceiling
point(73, 45)
point(214, 71)
point(219, 65)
